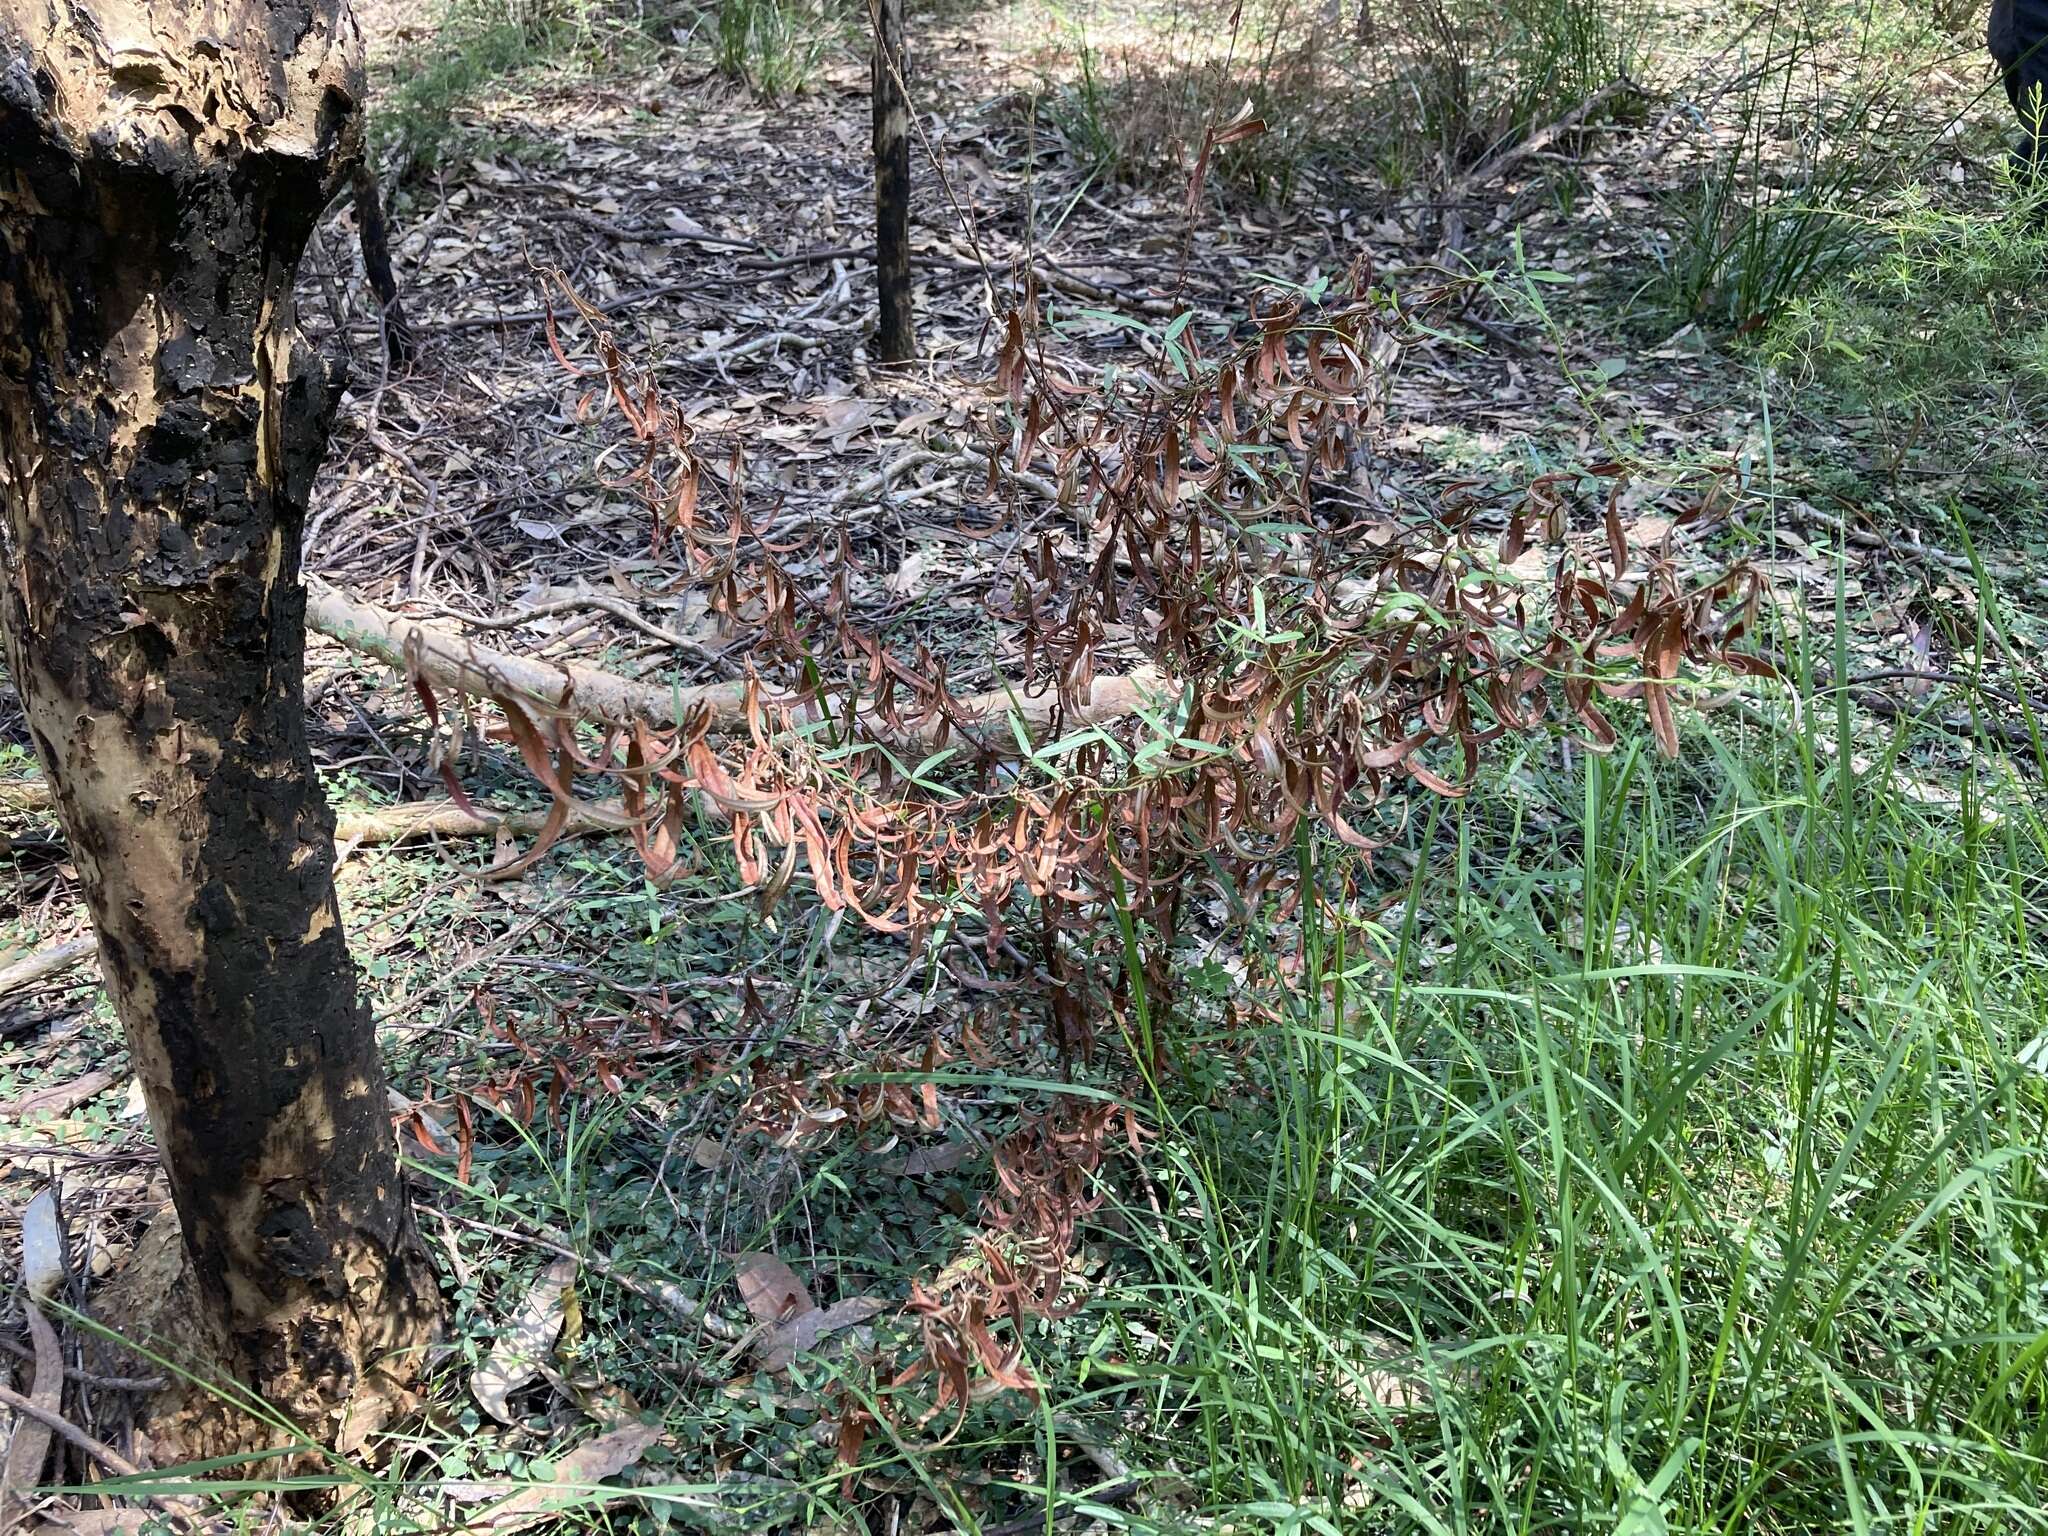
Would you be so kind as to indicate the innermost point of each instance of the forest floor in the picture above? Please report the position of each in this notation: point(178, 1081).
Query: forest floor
point(1631, 1145)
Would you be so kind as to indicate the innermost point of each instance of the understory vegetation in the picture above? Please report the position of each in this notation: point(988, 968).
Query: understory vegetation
point(1636, 1145)
point(1637, 1126)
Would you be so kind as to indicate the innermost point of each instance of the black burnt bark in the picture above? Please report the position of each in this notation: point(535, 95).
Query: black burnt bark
point(896, 334)
point(375, 233)
point(159, 430)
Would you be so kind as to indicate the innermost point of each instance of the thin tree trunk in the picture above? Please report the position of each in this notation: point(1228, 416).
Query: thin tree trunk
point(376, 240)
point(896, 337)
point(159, 429)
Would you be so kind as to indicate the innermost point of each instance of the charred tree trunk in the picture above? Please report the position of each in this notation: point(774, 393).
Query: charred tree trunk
point(161, 166)
point(896, 338)
point(376, 240)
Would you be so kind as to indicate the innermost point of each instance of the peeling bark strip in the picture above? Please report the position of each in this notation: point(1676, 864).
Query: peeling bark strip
point(161, 166)
point(896, 337)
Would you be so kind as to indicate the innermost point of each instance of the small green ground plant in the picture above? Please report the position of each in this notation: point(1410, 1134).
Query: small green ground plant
point(1937, 344)
point(1464, 79)
point(774, 47)
point(416, 118)
point(1825, 121)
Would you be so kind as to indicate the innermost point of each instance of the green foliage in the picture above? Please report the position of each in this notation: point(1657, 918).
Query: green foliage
point(1470, 76)
point(1669, 1155)
point(1938, 340)
point(1819, 132)
point(1439, 80)
point(1138, 116)
point(476, 43)
point(774, 46)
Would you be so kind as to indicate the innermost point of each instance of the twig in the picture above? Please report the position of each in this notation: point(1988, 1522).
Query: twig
point(539, 316)
point(882, 478)
point(665, 1294)
point(87, 1378)
point(650, 233)
point(618, 608)
point(1079, 287)
point(105, 1455)
point(718, 357)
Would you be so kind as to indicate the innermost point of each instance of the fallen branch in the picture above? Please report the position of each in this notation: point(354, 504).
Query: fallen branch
point(105, 1455)
point(44, 963)
point(444, 818)
point(451, 662)
point(372, 828)
point(542, 316)
point(570, 690)
point(597, 602)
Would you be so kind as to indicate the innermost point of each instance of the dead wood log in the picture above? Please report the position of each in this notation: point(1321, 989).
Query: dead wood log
point(445, 818)
point(372, 828)
point(569, 689)
point(452, 663)
point(45, 963)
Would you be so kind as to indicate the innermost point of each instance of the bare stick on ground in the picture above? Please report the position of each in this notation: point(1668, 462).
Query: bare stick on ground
point(45, 963)
point(451, 662)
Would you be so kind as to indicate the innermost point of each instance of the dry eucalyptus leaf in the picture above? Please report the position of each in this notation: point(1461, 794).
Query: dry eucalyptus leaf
point(907, 580)
point(801, 1334)
point(528, 1339)
point(576, 1475)
point(98, 1522)
point(770, 1288)
point(943, 1158)
point(42, 1246)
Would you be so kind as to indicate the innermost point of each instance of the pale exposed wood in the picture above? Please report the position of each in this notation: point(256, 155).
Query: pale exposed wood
point(444, 818)
point(45, 963)
point(450, 662)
